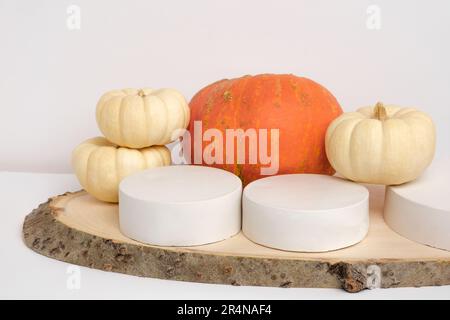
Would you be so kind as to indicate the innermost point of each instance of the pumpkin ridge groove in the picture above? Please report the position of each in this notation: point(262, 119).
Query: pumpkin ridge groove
point(86, 167)
point(144, 110)
point(161, 138)
point(121, 117)
point(350, 149)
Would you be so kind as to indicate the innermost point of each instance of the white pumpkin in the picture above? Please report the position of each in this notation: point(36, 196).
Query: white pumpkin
point(100, 165)
point(383, 144)
point(138, 118)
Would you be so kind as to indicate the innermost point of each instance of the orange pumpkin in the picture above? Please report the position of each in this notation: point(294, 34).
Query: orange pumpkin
point(299, 108)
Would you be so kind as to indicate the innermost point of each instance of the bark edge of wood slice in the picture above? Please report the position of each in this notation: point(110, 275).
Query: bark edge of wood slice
point(65, 228)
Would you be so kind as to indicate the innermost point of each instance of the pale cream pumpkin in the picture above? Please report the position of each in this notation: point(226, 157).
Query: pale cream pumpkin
point(138, 118)
point(100, 165)
point(383, 144)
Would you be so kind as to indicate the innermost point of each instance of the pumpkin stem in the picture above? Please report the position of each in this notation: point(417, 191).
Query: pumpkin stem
point(141, 93)
point(379, 112)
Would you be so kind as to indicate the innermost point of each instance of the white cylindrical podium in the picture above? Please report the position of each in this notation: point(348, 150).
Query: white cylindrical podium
point(305, 212)
point(180, 205)
point(420, 210)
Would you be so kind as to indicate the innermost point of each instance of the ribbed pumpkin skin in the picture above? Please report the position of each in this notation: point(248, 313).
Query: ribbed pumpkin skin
point(300, 108)
point(391, 151)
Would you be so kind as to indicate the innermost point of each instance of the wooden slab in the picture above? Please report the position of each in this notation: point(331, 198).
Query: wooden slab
point(78, 229)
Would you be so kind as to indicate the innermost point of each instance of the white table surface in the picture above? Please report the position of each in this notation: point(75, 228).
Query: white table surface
point(25, 274)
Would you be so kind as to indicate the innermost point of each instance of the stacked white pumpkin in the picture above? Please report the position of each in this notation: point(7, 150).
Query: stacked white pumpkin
point(136, 124)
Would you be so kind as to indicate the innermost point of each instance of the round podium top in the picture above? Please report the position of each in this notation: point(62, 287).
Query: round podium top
point(180, 183)
point(305, 192)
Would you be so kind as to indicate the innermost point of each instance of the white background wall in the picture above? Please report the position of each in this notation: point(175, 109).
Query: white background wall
point(51, 76)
